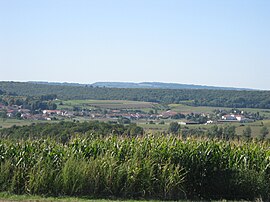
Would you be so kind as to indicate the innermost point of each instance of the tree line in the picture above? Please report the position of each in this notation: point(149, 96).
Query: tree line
point(63, 131)
point(202, 97)
point(33, 103)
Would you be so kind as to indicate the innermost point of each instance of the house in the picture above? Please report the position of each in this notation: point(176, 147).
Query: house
point(209, 122)
point(26, 111)
point(51, 112)
point(234, 118)
point(167, 114)
point(11, 113)
point(188, 123)
point(229, 117)
point(239, 117)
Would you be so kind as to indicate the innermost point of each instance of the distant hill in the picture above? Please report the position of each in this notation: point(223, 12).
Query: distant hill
point(160, 85)
point(196, 97)
point(57, 83)
point(154, 85)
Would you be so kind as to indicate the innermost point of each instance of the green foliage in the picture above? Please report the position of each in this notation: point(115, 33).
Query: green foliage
point(32, 103)
point(134, 130)
point(124, 120)
point(215, 132)
point(247, 133)
point(160, 167)
point(3, 114)
point(174, 128)
point(1, 92)
point(202, 97)
point(63, 131)
point(229, 132)
point(264, 132)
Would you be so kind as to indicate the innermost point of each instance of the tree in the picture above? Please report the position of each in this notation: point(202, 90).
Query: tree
point(151, 111)
point(247, 133)
point(264, 132)
point(162, 122)
point(229, 132)
point(3, 114)
point(133, 129)
point(174, 127)
point(18, 115)
point(124, 120)
point(215, 132)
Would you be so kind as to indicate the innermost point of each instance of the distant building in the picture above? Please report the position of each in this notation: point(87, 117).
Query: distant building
point(239, 117)
point(167, 114)
point(229, 117)
point(188, 123)
point(234, 118)
point(51, 112)
point(209, 122)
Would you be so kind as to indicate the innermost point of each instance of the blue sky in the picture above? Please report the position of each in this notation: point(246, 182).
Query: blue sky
point(209, 42)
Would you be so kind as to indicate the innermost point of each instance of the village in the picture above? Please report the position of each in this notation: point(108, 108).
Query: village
point(183, 118)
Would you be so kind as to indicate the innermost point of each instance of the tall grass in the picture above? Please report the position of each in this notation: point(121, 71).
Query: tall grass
point(144, 167)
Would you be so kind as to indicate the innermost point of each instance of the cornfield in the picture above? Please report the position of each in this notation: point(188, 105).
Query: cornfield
point(157, 167)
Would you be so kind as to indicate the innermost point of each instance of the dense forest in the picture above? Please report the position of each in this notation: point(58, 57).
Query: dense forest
point(217, 98)
point(33, 103)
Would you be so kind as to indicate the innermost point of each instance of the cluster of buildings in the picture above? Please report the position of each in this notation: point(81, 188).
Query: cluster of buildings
point(234, 118)
point(18, 112)
point(14, 110)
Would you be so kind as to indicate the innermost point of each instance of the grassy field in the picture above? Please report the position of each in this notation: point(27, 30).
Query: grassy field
point(146, 106)
point(6, 123)
point(201, 109)
point(6, 197)
point(255, 126)
point(107, 104)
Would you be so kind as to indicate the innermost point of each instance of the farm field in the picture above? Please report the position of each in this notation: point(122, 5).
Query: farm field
point(148, 167)
point(108, 104)
point(239, 127)
point(146, 106)
point(182, 108)
point(7, 123)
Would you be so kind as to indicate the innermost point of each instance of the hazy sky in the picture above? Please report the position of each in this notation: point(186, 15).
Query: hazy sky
point(210, 42)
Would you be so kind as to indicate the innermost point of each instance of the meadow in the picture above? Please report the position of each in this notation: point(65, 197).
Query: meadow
point(108, 104)
point(239, 127)
point(7, 197)
point(184, 108)
point(8, 122)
